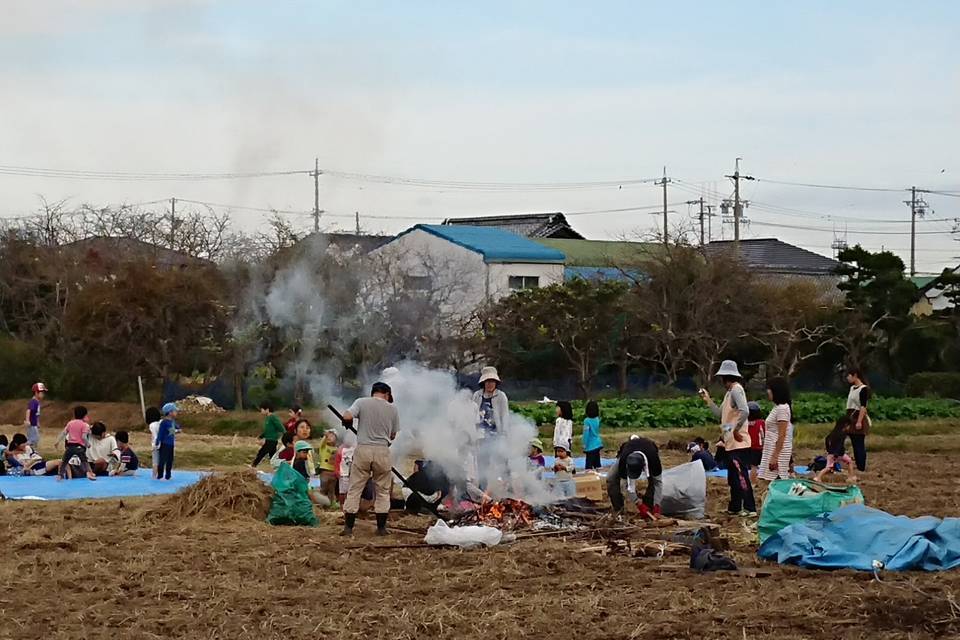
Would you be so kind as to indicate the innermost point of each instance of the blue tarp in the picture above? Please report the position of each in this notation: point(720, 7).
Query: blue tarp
point(48, 488)
point(581, 462)
point(852, 537)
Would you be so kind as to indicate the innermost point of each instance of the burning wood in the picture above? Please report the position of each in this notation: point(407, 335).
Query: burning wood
point(507, 514)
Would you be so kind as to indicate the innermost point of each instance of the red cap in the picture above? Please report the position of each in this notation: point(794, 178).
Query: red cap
point(39, 387)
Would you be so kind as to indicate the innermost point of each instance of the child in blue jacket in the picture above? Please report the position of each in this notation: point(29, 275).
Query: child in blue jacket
point(166, 439)
point(592, 443)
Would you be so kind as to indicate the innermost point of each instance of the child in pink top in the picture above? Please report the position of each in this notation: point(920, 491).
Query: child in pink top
point(76, 434)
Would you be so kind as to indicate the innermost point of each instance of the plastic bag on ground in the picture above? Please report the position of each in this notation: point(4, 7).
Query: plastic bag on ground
point(783, 507)
point(684, 491)
point(291, 502)
point(463, 537)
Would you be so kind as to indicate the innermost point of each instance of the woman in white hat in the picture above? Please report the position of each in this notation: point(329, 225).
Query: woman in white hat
point(733, 413)
point(493, 408)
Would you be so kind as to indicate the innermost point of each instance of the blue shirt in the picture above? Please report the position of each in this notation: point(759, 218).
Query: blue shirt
point(167, 433)
point(129, 459)
point(709, 463)
point(591, 434)
point(34, 407)
point(487, 422)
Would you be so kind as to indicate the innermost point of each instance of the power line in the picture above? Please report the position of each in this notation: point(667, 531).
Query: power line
point(485, 186)
point(857, 232)
point(828, 186)
point(80, 174)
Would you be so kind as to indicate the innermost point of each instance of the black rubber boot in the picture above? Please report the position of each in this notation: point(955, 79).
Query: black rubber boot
point(349, 519)
point(381, 524)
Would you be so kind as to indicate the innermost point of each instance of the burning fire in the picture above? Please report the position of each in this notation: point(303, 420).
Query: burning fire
point(505, 514)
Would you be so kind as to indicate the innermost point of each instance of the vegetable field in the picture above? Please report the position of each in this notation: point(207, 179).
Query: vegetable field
point(691, 412)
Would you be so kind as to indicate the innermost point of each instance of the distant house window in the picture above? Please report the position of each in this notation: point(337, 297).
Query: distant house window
point(524, 282)
point(417, 283)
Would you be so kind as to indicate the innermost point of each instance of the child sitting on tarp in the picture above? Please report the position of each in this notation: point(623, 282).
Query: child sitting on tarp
point(129, 462)
point(700, 450)
point(834, 444)
point(564, 469)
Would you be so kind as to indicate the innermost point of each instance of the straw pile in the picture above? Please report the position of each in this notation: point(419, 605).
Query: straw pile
point(217, 496)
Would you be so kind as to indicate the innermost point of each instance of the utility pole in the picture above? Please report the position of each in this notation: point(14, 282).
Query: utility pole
point(664, 182)
point(357, 214)
point(173, 221)
point(709, 223)
point(316, 195)
point(701, 216)
point(918, 207)
point(737, 203)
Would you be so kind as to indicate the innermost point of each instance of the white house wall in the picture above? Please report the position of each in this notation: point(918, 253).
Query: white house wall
point(500, 275)
point(419, 253)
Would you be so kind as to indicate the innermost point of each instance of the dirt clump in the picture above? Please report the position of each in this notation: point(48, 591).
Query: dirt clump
point(218, 496)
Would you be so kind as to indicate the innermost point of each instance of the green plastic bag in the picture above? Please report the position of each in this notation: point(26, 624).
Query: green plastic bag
point(291, 500)
point(780, 508)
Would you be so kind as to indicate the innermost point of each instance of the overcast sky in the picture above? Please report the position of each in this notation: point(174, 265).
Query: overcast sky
point(856, 93)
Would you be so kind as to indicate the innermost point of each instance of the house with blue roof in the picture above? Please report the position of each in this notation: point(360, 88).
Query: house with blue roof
point(470, 264)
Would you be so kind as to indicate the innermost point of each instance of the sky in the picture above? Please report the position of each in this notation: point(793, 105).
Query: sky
point(494, 108)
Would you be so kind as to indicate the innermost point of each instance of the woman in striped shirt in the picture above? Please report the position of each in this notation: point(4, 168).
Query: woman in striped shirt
point(778, 437)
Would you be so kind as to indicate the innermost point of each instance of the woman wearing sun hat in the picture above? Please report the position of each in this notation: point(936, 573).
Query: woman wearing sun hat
point(733, 413)
point(493, 409)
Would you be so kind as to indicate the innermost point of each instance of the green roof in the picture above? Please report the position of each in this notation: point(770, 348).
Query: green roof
point(599, 253)
point(922, 281)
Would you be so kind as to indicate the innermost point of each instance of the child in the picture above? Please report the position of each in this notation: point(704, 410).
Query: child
point(25, 461)
point(757, 429)
point(3, 454)
point(700, 450)
point(834, 443)
point(536, 460)
point(273, 430)
point(285, 454)
point(152, 417)
point(166, 440)
point(33, 415)
point(325, 454)
point(129, 462)
point(103, 454)
point(294, 417)
point(342, 463)
point(564, 469)
point(77, 436)
point(563, 427)
point(301, 464)
point(592, 443)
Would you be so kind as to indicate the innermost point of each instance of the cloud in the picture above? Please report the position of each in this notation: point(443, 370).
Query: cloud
point(56, 17)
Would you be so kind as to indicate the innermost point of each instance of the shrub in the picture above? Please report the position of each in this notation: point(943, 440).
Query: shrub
point(937, 384)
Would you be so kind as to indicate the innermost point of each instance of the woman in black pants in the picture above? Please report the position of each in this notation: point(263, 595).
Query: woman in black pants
point(857, 401)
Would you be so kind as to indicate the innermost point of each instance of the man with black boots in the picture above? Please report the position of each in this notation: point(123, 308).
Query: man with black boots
point(636, 457)
point(377, 426)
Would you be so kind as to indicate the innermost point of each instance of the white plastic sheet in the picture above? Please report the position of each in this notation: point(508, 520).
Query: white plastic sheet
point(685, 491)
point(463, 537)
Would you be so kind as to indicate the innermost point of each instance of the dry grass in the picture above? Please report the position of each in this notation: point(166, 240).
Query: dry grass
point(217, 497)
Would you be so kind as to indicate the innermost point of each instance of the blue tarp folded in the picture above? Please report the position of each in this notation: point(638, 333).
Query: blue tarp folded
point(47, 487)
point(852, 537)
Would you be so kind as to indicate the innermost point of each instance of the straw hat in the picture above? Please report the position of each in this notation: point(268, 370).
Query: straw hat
point(728, 368)
point(489, 373)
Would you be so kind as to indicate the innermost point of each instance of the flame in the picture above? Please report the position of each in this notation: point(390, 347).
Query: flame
point(507, 513)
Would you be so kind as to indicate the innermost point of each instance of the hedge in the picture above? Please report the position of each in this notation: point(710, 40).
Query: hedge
point(814, 408)
point(936, 384)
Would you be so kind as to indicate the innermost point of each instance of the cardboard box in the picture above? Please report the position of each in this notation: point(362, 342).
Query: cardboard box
point(589, 486)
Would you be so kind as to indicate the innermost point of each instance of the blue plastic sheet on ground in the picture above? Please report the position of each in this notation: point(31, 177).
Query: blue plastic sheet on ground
point(48, 488)
point(853, 537)
point(722, 473)
point(581, 462)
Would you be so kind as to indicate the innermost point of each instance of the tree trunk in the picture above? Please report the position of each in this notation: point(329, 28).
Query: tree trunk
point(622, 367)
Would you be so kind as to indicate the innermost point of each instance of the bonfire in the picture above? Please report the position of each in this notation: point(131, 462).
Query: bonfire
point(507, 514)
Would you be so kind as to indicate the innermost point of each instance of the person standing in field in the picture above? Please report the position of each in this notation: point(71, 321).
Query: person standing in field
point(152, 417)
point(493, 408)
point(563, 426)
point(733, 413)
point(592, 442)
point(778, 432)
point(857, 401)
point(167, 440)
point(377, 425)
point(32, 419)
point(273, 430)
